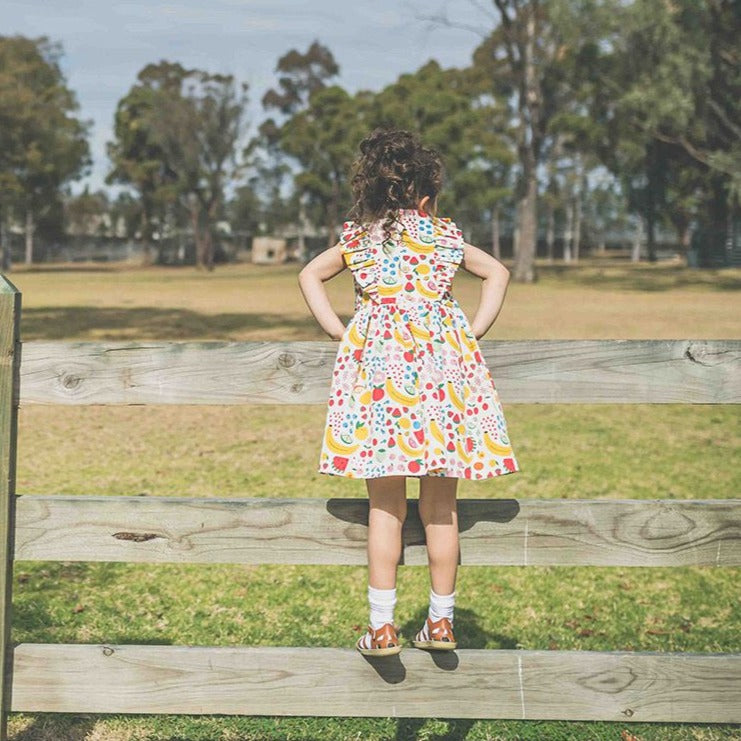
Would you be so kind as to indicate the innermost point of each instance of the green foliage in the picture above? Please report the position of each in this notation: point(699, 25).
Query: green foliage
point(557, 96)
point(456, 114)
point(177, 132)
point(43, 145)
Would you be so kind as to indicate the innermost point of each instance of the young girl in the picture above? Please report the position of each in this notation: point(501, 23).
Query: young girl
point(411, 394)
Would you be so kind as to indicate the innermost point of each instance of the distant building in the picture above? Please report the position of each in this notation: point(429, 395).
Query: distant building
point(269, 250)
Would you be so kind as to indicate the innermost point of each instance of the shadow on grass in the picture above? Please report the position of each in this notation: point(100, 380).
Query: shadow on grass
point(641, 277)
point(56, 727)
point(66, 268)
point(117, 324)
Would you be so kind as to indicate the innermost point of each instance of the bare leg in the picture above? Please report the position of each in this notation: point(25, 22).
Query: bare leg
point(388, 510)
point(439, 514)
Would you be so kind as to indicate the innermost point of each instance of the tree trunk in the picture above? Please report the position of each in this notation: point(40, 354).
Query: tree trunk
point(208, 239)
point(651, 188)
point(524, 267)
point(208, 248)
point(332, 211)
point(30, 228)
point(496, 247)
point(577, 223)
point(651, 231)
point(685, 236)
point(5, 265)
point(579, 188)
point(550, 234)
point(146, 230)
point(637, 238)
point(301, 231)
point(568, 231)
point(193, 208)
point(529, 99)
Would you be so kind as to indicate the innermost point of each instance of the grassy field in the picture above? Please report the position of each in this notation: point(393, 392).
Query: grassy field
point(576, 450)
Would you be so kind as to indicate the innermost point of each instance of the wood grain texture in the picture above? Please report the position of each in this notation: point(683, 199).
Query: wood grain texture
point(565, 532)
point(526, 371)
point(10, 356)
point(467, 683)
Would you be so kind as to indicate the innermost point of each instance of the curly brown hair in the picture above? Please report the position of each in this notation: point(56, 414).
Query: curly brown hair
point(394, 170)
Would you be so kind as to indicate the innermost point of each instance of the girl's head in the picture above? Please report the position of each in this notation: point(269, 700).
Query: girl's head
point(394, 170)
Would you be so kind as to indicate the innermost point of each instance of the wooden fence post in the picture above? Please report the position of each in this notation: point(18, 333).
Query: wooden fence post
point(10, 364)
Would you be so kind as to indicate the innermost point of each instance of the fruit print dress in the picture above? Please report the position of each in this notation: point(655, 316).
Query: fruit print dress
point(411, 394)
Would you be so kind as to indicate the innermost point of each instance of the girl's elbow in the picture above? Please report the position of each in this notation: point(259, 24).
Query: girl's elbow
point(501, 273)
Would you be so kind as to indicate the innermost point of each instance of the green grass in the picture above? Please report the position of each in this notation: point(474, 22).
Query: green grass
point(572, 450)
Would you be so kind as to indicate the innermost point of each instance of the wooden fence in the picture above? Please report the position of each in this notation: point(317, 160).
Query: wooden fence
point(467, 683)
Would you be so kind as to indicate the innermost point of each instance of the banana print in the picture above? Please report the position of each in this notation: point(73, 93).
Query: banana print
point(415, 246)
point(398, 396)
point(453, 396)
point(410, 393)
point(384, 290)
point(500, 450)
point(354, 337)
point(337, 447)
point(420, 333)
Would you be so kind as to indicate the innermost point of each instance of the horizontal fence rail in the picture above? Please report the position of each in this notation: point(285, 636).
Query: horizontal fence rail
point(526, 371)
point(322, 681)
point(468, 683)
point(565, 532)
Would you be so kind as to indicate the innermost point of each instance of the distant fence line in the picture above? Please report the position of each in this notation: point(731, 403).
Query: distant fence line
point(180, 249)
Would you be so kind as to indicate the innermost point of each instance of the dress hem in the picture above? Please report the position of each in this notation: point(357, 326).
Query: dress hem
point(423, 475)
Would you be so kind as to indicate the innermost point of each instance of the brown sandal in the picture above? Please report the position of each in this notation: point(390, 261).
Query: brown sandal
point(383, 641)
point(436, 635)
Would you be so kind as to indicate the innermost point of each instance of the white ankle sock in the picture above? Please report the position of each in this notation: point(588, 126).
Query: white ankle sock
point(441, 605)
point(382, 602)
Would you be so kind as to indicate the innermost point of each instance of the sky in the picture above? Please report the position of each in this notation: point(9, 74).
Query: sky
point(107, 42)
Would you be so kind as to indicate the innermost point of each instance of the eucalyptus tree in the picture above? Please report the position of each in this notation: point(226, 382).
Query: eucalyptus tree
point(191, 122)
point(300, 75)
point(536, 57)
point(675, 79)
point(453, 111)
point(43, 145)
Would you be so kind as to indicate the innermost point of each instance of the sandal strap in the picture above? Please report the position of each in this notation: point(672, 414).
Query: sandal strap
point(440, 630)
point(383, 637)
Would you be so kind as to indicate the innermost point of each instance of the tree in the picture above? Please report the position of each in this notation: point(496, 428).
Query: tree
point(322, 139)
point(453, 111)
point(179, 142)
point(535, 57)
point(301, 75)
point(675, 79)
point(138, 160)
point(86, 213)
point(43, 145)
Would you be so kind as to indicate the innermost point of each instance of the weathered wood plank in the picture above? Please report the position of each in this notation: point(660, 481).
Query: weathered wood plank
point(571, 532)
point(468, 683)
point(10, 356)
point(528, 371)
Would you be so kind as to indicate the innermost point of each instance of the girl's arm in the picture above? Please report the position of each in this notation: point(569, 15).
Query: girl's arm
point(311, 279)
point(493, 287)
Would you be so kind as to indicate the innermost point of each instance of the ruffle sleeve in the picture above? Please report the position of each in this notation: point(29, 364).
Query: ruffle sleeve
point(449, 240)
point(359, 254)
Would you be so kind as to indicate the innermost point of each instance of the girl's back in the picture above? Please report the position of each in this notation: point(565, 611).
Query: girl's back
point(411, 394)
point(414, 259)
